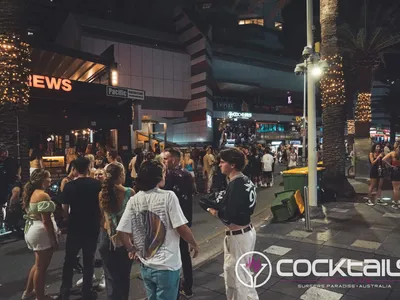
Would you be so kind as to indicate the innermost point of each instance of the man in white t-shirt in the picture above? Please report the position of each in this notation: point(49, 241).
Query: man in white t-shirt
point(154, 218)
point(292, 158)
point(268, 162)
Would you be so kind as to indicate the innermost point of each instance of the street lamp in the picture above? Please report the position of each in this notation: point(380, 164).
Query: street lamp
point(316, 70)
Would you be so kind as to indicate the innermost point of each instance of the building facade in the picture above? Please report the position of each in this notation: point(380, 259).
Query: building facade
point(201, 72)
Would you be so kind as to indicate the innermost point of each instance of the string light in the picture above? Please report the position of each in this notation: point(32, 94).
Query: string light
point(351, 127)
point(332, 84)
point(14, 69)
point(363, 108)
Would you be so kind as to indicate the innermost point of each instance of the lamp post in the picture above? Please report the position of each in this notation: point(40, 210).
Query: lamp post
point(303, 154)
point(301, 69)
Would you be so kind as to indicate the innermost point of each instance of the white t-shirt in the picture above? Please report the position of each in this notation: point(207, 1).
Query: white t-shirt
point(152, 217)
point(292, 159)
point(268, 161)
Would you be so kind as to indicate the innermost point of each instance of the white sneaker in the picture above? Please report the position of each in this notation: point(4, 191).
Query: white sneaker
point(381, 202)
point(370, 203)
point(79, 283)
point(102, 283)
point(27, 296)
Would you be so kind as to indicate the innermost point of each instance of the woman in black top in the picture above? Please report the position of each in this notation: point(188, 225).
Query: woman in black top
point(376, 175)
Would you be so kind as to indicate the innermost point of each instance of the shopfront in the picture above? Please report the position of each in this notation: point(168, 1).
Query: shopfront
point(243, 127)
point(65, 114)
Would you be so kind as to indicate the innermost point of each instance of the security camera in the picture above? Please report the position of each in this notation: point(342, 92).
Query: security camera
point(307, 51)
point(300, 69)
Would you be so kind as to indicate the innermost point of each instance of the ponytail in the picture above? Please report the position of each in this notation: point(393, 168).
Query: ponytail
point(108, 199)
point(36, 182)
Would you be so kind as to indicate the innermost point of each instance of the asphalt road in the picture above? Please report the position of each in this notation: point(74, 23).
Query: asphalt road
point(16, 259)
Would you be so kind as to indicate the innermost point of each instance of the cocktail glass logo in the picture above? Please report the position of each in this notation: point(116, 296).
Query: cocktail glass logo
point(250, 266)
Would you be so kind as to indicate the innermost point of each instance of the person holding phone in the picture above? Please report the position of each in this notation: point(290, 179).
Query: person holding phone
point(392, 161)
point(376, 175)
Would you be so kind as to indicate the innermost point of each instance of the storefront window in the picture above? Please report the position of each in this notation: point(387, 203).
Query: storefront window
point(263, 127)
point(252, 21)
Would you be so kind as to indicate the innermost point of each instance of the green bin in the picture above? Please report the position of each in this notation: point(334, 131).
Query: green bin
point(284, 207)
point(297, 179)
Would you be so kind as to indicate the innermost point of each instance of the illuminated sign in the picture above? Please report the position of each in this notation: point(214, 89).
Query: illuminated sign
point(239, 115)
point(209, 121)
point(113, 91)
point(50, 83)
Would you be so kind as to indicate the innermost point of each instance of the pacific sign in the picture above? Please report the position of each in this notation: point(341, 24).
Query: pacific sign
point(125, 93)
point(50, 83)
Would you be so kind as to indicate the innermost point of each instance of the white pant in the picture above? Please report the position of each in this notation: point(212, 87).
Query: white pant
point(209, 180)
point(234, 247)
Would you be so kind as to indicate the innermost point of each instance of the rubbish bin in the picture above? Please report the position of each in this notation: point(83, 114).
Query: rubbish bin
point(297, 179)
point(284, 207)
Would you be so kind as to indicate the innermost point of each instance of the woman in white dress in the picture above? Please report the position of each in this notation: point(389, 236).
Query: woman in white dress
point(40, 231)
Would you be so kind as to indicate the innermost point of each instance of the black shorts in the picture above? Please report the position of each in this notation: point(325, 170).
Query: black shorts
point(267, 174)
point(374, 174)
point(395, 175)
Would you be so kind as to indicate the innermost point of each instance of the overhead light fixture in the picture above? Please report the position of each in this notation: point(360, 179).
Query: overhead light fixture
point(114, 77)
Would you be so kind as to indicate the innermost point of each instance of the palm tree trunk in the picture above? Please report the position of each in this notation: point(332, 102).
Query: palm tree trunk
point(362, 143)
point(333, 111)
point(14, 89)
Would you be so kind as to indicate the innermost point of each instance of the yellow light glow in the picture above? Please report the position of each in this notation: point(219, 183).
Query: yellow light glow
point(351, 127)
point(332, 84)
point(363, 107)
point(114, 77)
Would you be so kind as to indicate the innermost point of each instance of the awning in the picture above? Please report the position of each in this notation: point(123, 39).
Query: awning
point(57, 61)
point(237, 86)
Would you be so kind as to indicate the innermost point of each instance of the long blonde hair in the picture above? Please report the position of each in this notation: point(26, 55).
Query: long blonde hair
point(36, 182)
point(186, 158)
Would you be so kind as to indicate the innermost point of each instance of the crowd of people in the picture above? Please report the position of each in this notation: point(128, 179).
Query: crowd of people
point(385, 164)
point(144, 217)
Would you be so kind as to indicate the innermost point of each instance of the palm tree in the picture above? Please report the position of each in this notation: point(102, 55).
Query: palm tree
point(14, 72)
point(367, 43)
point(333, 100)
point(391, 105)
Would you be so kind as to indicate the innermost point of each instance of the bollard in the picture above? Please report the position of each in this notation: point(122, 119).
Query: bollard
point(307, 210)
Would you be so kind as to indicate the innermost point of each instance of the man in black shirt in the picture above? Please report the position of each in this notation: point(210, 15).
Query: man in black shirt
point(238, 202)
point(180, 181)
point(81, 204)
point(8, 174)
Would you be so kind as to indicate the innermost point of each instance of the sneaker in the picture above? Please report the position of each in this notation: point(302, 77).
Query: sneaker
point(27, 296)
point(370, 203)
point(80, 281)
point(102, 283)
point(380, 202)
point(186, 294)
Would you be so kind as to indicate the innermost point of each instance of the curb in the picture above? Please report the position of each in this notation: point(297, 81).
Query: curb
point(258, 219)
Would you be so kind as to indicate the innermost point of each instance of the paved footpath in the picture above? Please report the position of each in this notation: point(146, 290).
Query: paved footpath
point(16, 259)
point(352, 231)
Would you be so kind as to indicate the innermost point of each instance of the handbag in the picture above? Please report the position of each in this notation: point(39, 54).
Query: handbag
point(212, 200)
